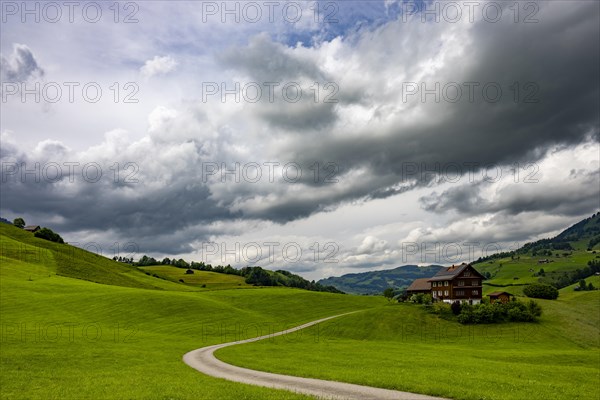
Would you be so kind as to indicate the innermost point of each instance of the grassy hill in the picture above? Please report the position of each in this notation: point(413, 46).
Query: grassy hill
point(79, 326)
point(401, 346)
point(68, 338)
point(375, 282)
point(201, 279)
point(557, 257)
point(47, 258)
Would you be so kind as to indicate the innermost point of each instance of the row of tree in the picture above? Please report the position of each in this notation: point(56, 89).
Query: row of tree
point(253, 275)
point(568, 278)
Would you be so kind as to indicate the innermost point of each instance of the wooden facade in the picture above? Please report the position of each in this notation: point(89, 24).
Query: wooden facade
point(503, 297)
point(457, 283)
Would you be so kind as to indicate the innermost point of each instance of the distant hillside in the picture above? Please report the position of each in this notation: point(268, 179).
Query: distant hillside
point(559, 261)
point(18, 245)
point(375, 282)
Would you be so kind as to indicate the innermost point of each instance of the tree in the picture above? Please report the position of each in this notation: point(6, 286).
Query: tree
point(582, 284)
point(591, 286)
point(19, 223)
point(48, 234)
point(388, 294)
point(541, 291)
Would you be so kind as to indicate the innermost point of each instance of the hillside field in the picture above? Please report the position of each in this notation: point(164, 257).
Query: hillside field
point(66, 338)
point(400, 346)
point(211, 280)
point(79, 326)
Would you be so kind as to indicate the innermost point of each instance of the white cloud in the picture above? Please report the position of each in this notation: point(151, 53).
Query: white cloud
point(158, 66)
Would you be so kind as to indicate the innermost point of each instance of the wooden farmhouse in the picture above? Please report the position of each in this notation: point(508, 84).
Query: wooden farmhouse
point(456, 283)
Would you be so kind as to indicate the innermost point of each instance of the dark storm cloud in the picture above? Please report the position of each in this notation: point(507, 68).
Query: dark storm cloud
point(571, 198)
point(293, 78)
point(551, 54)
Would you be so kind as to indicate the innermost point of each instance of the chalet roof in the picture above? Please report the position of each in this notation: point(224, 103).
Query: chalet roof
point(451, 272)
point(31, 227)
point(496, 294)
point(420, 284)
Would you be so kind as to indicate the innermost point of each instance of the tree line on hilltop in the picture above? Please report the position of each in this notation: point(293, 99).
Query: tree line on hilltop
point(253, 275)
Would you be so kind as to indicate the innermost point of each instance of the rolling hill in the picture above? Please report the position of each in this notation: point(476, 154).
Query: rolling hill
point(553, 261)
point(375, 282)
point(79, 326)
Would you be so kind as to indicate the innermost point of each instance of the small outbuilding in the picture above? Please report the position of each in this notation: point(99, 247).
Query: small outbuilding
point(421, 285)
point(32, 228)
point(503, 297)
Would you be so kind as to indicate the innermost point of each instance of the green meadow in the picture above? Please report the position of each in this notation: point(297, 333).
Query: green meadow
point(400, 346)
point(124, 337)
point(75, 325)
point(200, 279)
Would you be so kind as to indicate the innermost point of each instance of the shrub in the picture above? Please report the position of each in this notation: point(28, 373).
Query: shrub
point(534, 308)
point(515, 311)
point(47, 234)
point(417, 298)
point(541, 291)
point(456, 307)
point(441, 308)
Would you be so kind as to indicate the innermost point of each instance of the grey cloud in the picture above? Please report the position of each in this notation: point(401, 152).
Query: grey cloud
point(574, 197)
point(20, 65)
point(268, 61)
point(551, 54)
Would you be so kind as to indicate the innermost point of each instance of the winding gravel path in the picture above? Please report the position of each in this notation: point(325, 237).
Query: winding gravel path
point(203, 360)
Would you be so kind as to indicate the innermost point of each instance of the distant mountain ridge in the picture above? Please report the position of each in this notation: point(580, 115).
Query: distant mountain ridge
point(584, 235)
point(375, 282)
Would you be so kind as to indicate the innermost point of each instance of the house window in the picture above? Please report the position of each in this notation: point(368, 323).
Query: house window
point(434, 284)
point(460, 292)
point(445, 293)
point(446, 283)
point(467, 273)
point(475, 292)
point(461, 283)
point(439, 292)
point(475, 283)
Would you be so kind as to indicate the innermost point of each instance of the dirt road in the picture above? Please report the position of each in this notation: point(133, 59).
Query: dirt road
point(203, 360)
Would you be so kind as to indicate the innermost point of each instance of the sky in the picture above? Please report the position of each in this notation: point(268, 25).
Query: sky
point(321, 137)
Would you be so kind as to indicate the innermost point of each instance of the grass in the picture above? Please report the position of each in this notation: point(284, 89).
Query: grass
point(66, 338)
point(402, 347)
point(117, 333)
point(211, 280)
point(505, 270)
point(47, 258)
